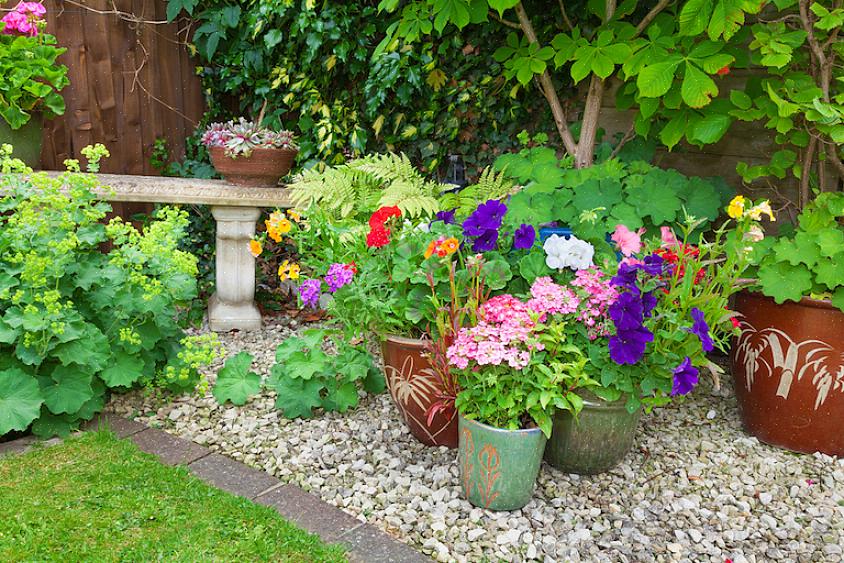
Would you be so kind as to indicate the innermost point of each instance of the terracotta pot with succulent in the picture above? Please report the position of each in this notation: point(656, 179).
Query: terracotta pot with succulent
point(30, 79)
point(788, 362)
point(248, 154)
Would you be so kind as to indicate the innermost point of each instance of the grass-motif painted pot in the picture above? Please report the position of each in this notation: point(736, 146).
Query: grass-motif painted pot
point(594, 443)
point(498, 468)
point(788, 370)
point(414, 387)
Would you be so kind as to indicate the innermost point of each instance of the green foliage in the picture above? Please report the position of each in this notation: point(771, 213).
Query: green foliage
point(77, 322)
point(334, 72)
point(356, 189)
point(30, 78)
point(668, 56)
point(235, 382)
point(801, 97)
point(809, 261)
point(593, 201)
point(306, 377)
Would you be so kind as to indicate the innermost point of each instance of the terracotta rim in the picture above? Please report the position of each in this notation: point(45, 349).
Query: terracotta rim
point(503, 430)
point(805, 302)
point(418, 343)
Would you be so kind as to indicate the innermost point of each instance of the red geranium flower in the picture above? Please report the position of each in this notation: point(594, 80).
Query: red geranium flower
point(382, 215)
point(378, 237)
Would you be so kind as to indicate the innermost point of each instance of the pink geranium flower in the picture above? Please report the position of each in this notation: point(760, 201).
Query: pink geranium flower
point(628, 242)
point(35, 8)
point(25, 19)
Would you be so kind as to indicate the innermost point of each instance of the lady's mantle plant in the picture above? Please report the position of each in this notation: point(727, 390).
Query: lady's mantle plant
point(30, 78)
point(75, 321)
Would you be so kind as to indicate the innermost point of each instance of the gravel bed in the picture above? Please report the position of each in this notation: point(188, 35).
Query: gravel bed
point(694, 488)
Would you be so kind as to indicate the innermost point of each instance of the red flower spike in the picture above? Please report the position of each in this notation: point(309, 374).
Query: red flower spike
point(723, 71)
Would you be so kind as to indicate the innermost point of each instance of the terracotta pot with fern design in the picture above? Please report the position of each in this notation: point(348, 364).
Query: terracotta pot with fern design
point(498, 468)
point(788, 370)
point(414, 387)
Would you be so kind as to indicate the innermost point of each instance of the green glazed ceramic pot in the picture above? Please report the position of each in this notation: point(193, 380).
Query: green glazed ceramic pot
point(498, 468)
point(26, 140)
point(599, 439)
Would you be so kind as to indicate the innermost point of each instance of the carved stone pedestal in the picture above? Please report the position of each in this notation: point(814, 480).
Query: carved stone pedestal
point(233, 305)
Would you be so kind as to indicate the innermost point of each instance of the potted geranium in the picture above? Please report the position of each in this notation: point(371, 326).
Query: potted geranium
point(788, 362)
point(30, 79)
point(248, 154)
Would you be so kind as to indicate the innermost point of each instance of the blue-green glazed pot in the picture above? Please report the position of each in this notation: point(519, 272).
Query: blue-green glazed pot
point(498, 468)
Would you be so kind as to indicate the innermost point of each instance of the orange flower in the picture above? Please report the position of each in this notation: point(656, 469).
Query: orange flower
point(449, 246)
point(288, 271)
point(273, 233)
point(294, 215)
point(255, 247)
point(431, 248)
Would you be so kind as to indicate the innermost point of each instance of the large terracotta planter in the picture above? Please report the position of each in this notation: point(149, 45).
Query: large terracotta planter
point(788, 368)
point(414, 387)
point(262, 169)
point(498, 468)
point(26, 140)
point(597, 441)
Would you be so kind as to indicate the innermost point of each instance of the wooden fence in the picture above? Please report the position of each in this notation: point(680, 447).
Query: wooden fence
point(131, 82)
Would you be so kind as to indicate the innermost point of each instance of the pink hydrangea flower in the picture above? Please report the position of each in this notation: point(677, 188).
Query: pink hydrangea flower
point(628, 242)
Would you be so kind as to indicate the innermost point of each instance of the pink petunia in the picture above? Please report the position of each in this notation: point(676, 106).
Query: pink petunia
point(628, 242)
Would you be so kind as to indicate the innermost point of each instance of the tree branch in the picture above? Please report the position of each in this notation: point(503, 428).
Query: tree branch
point(805, 176)
point(649, 17)
point(499, 19)
point(565, 15)
point(548, 89)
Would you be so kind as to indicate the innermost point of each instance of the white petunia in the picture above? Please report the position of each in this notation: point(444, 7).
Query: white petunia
point(571, 252)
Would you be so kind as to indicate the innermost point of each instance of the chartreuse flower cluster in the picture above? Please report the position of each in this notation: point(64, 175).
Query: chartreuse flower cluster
point(76, 322)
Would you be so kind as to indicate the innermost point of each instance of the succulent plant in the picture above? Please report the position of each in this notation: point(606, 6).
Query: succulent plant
point(241, 137)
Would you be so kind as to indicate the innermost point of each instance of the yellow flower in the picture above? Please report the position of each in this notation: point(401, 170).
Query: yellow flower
point(284, 226)
point(736, 207)
point(273, 233)
point(294, 215)
point(255, 247)
point(763, 208)
point(288, 271)
point(293, 272)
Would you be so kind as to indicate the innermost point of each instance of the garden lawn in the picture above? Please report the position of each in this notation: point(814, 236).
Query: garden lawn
point(97, 498)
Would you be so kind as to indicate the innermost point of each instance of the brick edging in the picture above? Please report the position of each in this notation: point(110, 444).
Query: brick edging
point(365, 542)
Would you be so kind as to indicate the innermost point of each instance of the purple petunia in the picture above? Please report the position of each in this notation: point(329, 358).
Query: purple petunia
point(524, 237)
point(626, 277)
point(628, 346)
point(309, 292)
point(488, 216)
point(627, 312)
point(486, 241)
point(654, 265)
point(338, 275)
point(446, 217)
point(685, 378)
point(701, 329)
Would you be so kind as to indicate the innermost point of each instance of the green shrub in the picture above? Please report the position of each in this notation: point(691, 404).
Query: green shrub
point(77, 322)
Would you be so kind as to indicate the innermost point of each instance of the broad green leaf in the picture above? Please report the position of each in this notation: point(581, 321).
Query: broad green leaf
point(694, 16)
point(497, 273)
point(830, 241)
point(341, 397)
point(784, 282)
point(710, 129)
point(533, 266)
point(298, 397)
point(655, 80)
point(123, 370)
point(698, 88)
point(49, 425)
point(838, 298)
point(831, 272)
point(375, 382)
point(235, 382)
point(740, 99)
point(674, 130)
point(657, 202)
point(66, 389)
point(451, 11)
point(20, 400)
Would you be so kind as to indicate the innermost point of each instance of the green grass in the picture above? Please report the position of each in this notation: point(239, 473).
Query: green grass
point(96, 498)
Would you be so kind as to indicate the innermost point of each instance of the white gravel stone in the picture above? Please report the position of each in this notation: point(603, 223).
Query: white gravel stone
point(692, 470)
